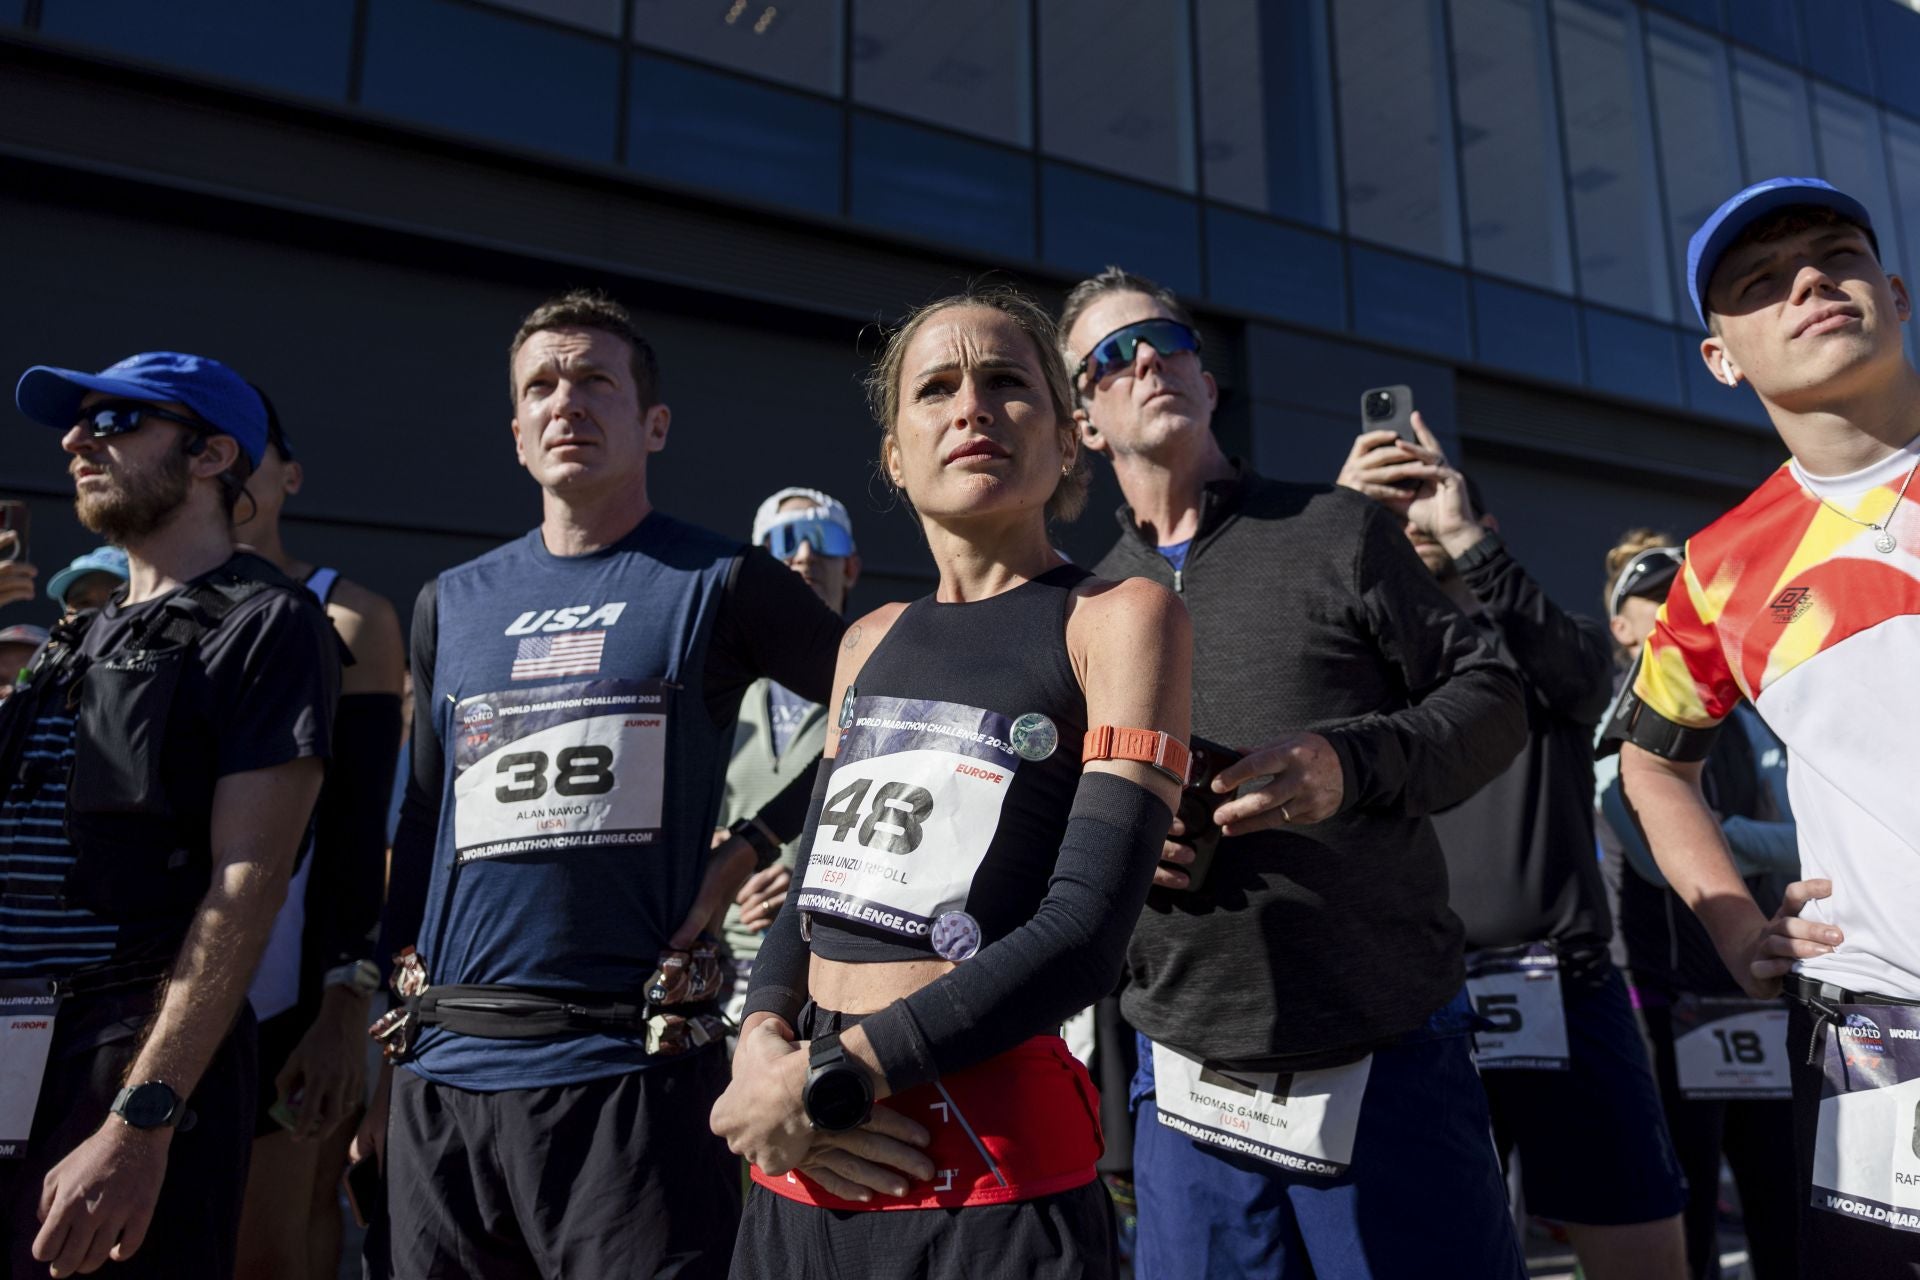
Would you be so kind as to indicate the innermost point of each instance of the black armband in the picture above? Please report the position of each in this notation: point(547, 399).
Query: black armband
point(1631, 720)
point(765, 848)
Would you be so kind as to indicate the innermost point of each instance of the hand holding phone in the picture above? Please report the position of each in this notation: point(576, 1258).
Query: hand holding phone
point(1197, 803)
point(16, 518)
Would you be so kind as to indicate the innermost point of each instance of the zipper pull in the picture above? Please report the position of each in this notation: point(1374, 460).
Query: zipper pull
point(1176, 581)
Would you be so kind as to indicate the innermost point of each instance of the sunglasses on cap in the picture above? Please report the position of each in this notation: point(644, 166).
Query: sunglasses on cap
point(1114, 353)
point(118, 417)
point(1645, 571)
point(824, 536)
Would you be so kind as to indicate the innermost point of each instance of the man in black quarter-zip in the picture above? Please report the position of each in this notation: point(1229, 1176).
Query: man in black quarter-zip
point(1306, 1085)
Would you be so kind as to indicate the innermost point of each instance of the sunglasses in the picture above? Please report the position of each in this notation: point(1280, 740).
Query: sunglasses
point(824, 536)
point(1114, 353)
point(1652, 560)
point(117, 417)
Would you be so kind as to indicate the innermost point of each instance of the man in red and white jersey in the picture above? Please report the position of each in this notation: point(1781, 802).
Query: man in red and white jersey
point(1805, 601)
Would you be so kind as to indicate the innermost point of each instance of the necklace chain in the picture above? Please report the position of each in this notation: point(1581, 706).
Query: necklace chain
point(1881, 527)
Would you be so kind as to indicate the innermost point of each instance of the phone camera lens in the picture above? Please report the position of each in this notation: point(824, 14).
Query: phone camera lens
point(1380, 405)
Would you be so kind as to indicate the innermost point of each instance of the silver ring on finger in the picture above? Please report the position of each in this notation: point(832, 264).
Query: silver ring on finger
point(1284, 815)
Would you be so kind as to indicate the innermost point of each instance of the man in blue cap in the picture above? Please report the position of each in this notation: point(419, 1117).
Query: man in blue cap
point(1805, 601)
point(89, 581)
point(158, 764)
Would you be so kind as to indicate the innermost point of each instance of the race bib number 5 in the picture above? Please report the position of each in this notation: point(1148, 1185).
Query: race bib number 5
point(564, 766)
point(911, 809)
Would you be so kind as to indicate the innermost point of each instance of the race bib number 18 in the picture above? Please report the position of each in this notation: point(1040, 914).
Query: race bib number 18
point(911, 809)
point(1731, 1048)
point(565, 766)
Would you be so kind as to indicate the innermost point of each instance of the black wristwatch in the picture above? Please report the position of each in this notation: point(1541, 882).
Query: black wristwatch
point(148, 1106)
point(838, 1094)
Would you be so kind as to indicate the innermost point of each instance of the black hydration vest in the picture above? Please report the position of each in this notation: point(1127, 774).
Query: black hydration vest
point(138, 862)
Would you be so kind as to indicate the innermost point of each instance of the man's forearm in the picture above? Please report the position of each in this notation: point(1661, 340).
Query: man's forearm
point(1688, 845)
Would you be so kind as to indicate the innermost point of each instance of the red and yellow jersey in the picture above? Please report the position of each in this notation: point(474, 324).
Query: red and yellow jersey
point(1789, 604)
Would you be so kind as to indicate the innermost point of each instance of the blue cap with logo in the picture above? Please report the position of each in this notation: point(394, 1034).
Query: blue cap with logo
point(1717, 234)
point(216, 394)
point(108, 560)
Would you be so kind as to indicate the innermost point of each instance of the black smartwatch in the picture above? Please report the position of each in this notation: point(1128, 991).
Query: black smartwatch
point(838, 1094)
point(148, 1106)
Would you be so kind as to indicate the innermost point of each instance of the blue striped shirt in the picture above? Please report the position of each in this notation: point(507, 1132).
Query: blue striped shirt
point(39, 938)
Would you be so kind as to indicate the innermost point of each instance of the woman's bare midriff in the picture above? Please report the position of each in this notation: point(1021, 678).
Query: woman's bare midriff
point(868, 988)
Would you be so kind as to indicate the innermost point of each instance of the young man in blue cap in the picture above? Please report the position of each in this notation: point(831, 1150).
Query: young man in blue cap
point(89, 581)
point(157, 768)
point(1805, 601)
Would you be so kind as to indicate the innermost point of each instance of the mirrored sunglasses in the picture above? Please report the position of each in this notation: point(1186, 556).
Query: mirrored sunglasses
point(1114, 353)
point(824, 536)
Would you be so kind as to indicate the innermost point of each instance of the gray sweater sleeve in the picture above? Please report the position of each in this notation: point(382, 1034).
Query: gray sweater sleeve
point(1465, 717)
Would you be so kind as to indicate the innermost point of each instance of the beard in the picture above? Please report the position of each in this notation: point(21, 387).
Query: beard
point(132, 506)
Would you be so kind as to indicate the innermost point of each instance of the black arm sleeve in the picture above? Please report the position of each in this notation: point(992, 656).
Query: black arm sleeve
point(1465, 717)
point(1568, 659)
point(419, 826)
point(772, 625)
point(779, 983)
point(786, 814)
point(1065, 958)
point(350, 830)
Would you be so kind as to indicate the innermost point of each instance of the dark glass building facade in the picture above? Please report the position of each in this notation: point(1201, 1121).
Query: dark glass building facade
point(1488, 200)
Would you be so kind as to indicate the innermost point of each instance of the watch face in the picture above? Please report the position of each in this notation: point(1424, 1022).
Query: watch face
point(838, 1098)
point(149, 1106)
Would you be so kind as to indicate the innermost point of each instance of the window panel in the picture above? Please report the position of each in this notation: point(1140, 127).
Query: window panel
point(1776, 124)
point(1896, 50)
point(480, 72)
point(1610, 156)
point(1275, 270)
point(712, 130)
point(1630, 357)
point(1903, 146)
point(1853, 156)
point(967, 67)
point(1772, 26)
point(1704, 12)
point(1410, 303)
point(1266, 108)
point(1396, 125)
point(1699, 148)
point(943, 188)
point(1116, 87)
point(602, 16)
point(1510, 142)
point(302, 48)
point(1527, 332)
point(795, 42)
point(1089, 221)
point(1835, 35)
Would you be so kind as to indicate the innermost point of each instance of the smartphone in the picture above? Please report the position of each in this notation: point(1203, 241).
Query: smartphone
point(1197, 803)
point(15, 518)
point(1388, 409)
point(282, 1114)
point(366, 1189)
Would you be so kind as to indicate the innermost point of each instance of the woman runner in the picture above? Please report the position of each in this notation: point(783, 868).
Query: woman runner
point(975, 858)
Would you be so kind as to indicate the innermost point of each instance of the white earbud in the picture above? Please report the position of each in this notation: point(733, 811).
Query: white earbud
point(1726, 370)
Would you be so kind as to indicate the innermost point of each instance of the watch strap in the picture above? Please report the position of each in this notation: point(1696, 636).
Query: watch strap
point(1150, 747)
point(825, 1051)
point(755, 833)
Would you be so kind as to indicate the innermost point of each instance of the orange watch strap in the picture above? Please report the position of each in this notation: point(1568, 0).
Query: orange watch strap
point(1150, 747)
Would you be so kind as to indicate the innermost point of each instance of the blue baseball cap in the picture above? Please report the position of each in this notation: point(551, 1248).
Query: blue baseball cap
point(1717, 234)
point(216, 394)
point(111, 560)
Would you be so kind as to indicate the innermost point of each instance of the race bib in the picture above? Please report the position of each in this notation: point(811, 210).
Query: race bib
point(1866, 1156)
point(1518, 991)
point(562, 767)
point(912, 805)
point(27, 1009)
point(1302, 1121)
point(1731, 1048)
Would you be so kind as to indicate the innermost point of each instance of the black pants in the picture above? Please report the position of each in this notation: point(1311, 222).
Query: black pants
point(617, 1177)
point(1757, 1139)
point(1833, 1246)
point(196, 1222)
point(1063, 1237)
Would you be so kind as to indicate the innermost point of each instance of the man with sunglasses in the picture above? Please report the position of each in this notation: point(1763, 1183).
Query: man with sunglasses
point(575, 693)
point(781, 734)
point(1306, 1096)
point(1805, 601)
point(158, 768)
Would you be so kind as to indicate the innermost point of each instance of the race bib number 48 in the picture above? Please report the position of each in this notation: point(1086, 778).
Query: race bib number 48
point(559, 767)
point(911, 809)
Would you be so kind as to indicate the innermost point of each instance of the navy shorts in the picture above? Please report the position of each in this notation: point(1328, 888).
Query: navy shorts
point(1592, 1139)
point(1424, 1196)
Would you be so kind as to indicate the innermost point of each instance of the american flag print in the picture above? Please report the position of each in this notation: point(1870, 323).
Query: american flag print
point(574, 653)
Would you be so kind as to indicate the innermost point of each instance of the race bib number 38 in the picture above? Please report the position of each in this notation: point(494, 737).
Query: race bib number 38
point(912, 806)
point(565, 766)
